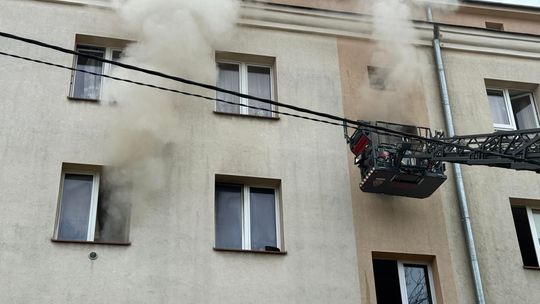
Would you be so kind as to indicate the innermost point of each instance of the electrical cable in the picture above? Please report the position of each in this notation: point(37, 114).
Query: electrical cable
point(344, 121)
point(167, 89)
point(176, 78)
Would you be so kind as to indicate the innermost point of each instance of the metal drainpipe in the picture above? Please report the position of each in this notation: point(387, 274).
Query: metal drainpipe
point(458, 177)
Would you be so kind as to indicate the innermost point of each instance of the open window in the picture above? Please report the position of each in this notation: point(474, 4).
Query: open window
point(404, 282)
point(512, 109)
point(527, 224)
point(379, 78)
point(87, 210)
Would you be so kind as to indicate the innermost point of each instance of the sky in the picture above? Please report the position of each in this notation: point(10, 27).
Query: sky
point(534, 3)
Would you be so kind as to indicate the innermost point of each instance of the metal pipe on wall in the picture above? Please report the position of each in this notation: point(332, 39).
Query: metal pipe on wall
point(458, 177)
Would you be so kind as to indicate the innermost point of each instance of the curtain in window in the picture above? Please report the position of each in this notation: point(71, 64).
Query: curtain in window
point(259, 85)
point(86, 85)
point(229, 79)
point(75, 207)
point(524, 112)
point(498, 107)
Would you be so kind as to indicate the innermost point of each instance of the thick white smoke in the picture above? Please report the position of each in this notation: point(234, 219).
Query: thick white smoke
point(177, 37)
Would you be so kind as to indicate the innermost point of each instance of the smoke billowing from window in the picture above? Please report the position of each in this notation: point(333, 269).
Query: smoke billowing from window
point(177, 37)
point(397, 59)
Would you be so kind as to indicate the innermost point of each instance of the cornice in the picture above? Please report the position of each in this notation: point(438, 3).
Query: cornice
point(95, 3)
point(359, 26)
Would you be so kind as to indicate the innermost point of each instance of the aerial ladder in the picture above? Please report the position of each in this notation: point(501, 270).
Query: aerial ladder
point(406, 160)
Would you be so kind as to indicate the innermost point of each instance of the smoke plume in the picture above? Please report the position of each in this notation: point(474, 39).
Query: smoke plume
point(177, 37)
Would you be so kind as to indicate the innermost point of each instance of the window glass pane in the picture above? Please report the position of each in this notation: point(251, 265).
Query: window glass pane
point(116, 55)
point(263, 218)
point(387, 287)
point(228, 78)
point(112, 217)
point(524, 112)
point(228, 216)
point(75, 207)
point(536, 217)
point(498, 107)
point(416, 279)
point(87, 85)
point(259, 85)
point(524, 235)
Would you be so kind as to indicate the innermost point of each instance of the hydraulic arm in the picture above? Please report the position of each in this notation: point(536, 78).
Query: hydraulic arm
point(408, 160)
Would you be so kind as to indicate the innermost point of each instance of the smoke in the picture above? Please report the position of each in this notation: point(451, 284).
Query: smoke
point(177, 37)
point(395, 61)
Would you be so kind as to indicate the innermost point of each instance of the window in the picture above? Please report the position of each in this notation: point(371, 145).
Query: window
point(527, 223)
point(247, 217)
point(86, 211)
point(512, 109)
point(495, 26)
point(379, 78)
point(246, 78)
point(403, 282)
point(88, 86)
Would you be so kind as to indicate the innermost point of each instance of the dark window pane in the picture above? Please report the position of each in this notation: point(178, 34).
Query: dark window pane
point(75, 207)
point(386, 281)
point(524, 112)
point(259, 85)
point(112, 216)
point(417, 281)
point(229, 79)
point(524, 235)
point(87, 85)
point(378, 78)
point(116, 54)
point(263, 218)
point(228, 216)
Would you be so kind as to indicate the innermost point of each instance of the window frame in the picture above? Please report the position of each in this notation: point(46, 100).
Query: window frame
point(92, 214)
point(534, 233)
point(246, 216)
point(509, 110)
point(106, 68)
point(243, 86)
point(403, 284)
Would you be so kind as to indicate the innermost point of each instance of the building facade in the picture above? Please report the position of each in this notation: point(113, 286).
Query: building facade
point(114, 192)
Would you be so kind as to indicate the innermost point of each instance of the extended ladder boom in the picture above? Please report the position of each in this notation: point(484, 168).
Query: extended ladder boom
point(519, 150)
point(408, 160)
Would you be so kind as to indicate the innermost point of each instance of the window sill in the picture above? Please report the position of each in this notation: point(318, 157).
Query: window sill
point(250, 251)
point(91, 243)
point(71, 98)
point(531, 267)
point(247, 115)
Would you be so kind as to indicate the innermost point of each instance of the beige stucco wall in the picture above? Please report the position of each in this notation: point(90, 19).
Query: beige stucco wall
point(396, 224)
point(512, 20)
point(489, 189)
point(172, 234)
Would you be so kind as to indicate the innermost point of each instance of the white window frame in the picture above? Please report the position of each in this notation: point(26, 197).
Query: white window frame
point(246, 214)
point(92, 216)
point(106, 66)
point(243, 84)
point(403, 284)
point(534, 233)
point(510, 112)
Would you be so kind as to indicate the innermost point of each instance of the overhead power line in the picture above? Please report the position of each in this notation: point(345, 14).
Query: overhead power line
point(139, 83)
point(343, 121)
point(178, 79)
